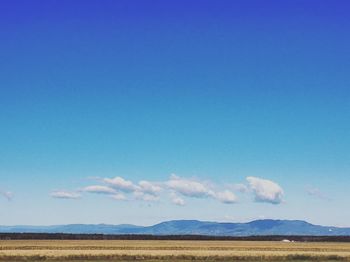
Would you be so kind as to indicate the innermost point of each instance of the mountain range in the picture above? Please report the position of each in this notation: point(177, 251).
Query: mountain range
point(191, 227)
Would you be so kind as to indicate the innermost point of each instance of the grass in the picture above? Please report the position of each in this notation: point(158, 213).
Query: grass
point(153, 250)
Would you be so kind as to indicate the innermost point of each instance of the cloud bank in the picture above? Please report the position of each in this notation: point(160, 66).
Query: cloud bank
point(177, 189)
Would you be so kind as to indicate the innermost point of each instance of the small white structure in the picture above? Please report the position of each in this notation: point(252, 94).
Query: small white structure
point(286, 241)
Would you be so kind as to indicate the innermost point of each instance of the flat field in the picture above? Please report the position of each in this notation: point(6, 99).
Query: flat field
point(155, 250)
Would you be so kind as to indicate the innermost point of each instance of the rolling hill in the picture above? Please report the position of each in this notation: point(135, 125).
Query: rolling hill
point(192, 227)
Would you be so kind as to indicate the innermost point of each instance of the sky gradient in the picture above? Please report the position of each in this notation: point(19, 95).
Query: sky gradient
point(246, 97)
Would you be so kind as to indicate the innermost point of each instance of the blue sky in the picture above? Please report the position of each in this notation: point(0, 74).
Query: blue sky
point(226, 110)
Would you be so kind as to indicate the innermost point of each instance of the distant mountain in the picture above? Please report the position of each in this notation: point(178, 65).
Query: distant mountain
point(192, 227)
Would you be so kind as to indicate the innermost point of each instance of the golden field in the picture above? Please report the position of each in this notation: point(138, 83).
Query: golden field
point(155, 250)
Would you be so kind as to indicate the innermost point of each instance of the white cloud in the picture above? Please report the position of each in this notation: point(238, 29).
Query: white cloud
point(119, 197)
point(189, 187)
point(226, 197)
point(178, 201)
point(7, 194)
point(98, 189)
point(145, 197)
point(265, 190)
point(149, 188)
point(65, 194)
point(197, 189)
point(120, 183)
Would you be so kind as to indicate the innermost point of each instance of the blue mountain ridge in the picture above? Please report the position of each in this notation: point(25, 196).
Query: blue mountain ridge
point(192, 227)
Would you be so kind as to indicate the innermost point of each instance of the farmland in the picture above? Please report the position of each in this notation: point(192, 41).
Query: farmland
point(170, 250)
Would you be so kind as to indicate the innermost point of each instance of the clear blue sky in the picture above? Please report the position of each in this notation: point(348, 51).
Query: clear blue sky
point(213, 92)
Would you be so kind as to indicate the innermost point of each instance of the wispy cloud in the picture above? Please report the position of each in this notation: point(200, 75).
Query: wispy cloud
point(119, 197)
point(240, 187)
point(315, 192)
point(7, 194)
point(98, 189)
point(65, 194)
point(145, 197)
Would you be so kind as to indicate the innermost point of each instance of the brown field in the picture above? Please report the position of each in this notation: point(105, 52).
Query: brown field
point(152, 250)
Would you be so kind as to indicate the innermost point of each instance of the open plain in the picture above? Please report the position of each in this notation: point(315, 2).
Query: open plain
point(153, 250)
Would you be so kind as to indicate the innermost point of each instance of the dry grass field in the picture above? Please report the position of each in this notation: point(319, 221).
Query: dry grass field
point(151, 250)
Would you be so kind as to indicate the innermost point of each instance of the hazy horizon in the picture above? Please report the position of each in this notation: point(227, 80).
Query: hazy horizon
point(117, 112)
point(152, 224)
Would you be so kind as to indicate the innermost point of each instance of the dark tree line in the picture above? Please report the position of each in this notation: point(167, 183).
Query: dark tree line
point(61, 236)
